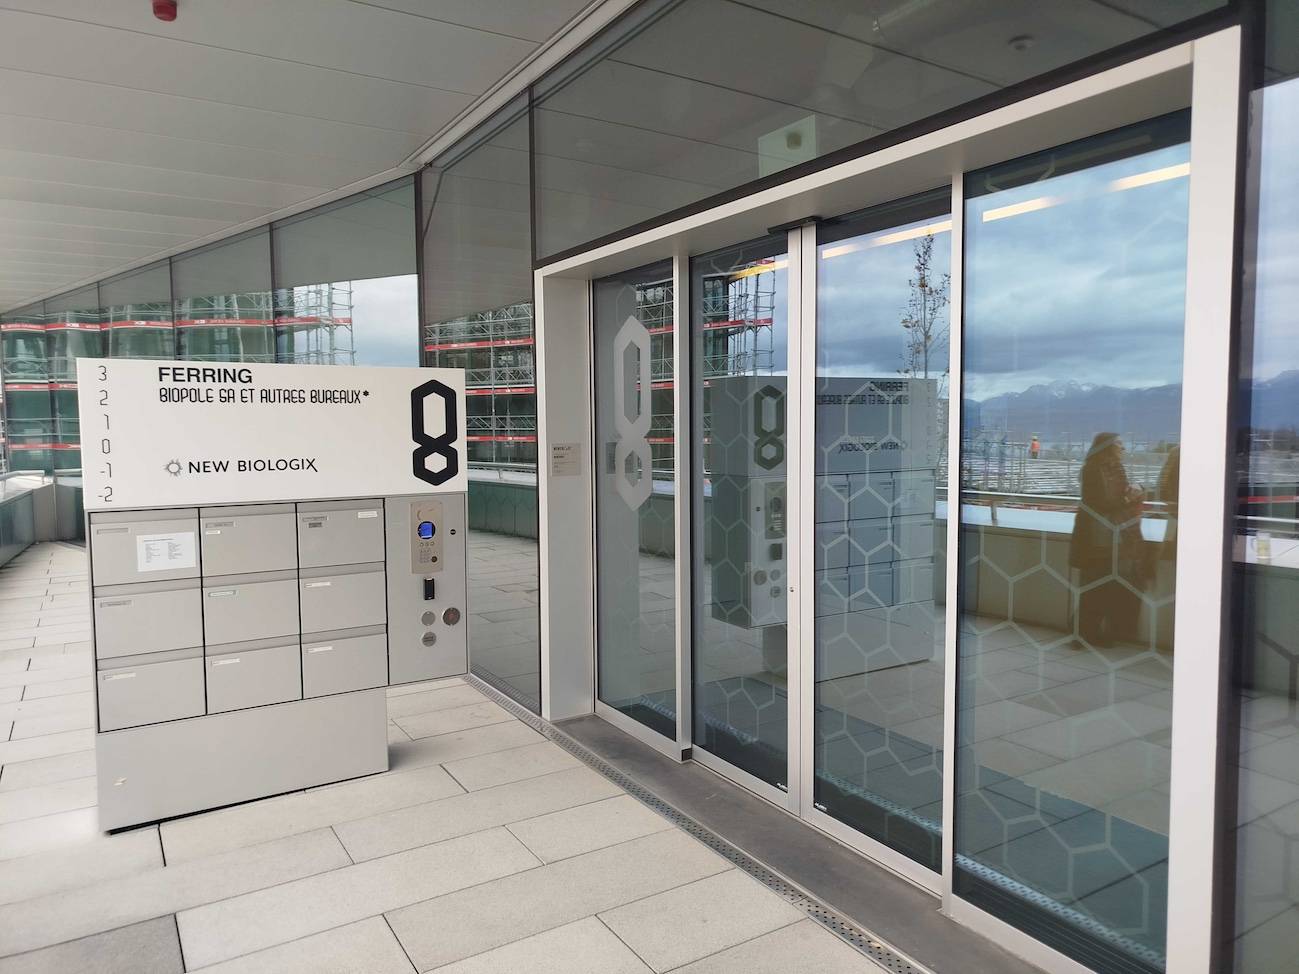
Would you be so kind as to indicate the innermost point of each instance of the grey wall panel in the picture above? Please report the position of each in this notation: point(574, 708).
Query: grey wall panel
point(171, 769)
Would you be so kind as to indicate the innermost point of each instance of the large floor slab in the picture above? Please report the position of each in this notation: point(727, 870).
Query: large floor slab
point(484, 847)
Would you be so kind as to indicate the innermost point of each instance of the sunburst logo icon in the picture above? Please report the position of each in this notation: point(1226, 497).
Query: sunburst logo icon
point(173, 467)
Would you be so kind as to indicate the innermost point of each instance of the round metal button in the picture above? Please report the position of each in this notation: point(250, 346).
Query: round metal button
point(428, 618)
point(451, 616)
point(429, 638)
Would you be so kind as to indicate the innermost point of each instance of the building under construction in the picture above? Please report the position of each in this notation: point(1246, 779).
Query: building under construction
point(310, 324)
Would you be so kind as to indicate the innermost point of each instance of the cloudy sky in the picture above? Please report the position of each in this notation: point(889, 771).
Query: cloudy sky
point(1276, 333)
point(1090, 287)
point(385, 321)
point(862, 298)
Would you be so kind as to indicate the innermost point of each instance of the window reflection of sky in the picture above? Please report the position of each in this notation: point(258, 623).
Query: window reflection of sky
point(1276, 312)
point(862, 296)
point(385, 321)
point(1047, 293)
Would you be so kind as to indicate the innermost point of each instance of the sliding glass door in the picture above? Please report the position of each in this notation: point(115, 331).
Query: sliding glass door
point(741, 564)
point(883, 280)
point(983, 704)
point(1074, 310)
point(635, 495)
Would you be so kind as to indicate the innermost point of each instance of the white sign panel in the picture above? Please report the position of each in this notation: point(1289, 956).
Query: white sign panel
point(566, 459)
point(166, 433)
point(163, 552)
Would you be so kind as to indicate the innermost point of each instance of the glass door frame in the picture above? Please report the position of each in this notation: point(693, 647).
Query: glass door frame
point(927, 879)
point(1202, 74)
point(791, 798)
point(682, 465)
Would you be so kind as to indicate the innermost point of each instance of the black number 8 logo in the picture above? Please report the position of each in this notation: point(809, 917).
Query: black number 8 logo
point(442, 445)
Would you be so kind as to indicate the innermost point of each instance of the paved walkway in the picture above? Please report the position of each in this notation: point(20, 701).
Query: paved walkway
point(484, 848)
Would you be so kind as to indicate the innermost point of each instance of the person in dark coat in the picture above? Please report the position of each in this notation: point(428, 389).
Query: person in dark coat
point(1106, 546)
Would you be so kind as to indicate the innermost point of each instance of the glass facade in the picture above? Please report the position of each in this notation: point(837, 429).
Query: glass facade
point(1069, 472)
point(883, 281)
point(475, 224)
point(30, 435)
point(349, 298)
point(223, 301)
point(687, 99)
point(1265, 529)
point(740, 336)
point(636, 496)
point(137, 314)
point(345, 282)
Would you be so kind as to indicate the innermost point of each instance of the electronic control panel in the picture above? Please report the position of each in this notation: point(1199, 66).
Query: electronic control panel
point(427, 629)
point(426, 542)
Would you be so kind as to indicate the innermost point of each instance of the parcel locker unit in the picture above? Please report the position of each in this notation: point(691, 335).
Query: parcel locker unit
point(150, 689)
point(342, 597)
point(340, 533)
point(239, 608)
point(248, 538)
point(351, 659)
point(877, 455)
point(243, 650)
point(147, 617)
point(253, 674)
point(143, 546)
point(748, 469)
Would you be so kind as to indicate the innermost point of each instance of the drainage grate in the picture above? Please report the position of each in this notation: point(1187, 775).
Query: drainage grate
point(877, 950)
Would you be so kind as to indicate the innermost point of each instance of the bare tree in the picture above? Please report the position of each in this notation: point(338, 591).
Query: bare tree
point(925, 321)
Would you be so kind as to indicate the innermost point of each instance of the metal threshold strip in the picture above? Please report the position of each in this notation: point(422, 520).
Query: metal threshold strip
point(886, 956)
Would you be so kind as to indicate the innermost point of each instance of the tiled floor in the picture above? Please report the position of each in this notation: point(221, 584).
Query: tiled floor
point(484, 848)
point(504, 607)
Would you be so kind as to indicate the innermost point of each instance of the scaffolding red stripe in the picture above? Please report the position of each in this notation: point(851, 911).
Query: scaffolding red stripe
point(485, 343)
point(135, 323)
point(219, 322)
point(502, 391)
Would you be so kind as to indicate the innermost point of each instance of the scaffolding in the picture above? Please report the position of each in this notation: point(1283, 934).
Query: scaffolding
point(306, 324)
point(313, 325)
point(739, 321)
point(495, 348)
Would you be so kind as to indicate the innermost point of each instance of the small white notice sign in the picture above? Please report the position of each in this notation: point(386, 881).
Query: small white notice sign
point(565, 459)
point(165, 552)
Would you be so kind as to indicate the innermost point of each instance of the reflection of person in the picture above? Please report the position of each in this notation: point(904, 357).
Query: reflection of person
point(1034, 448)
point(1169, 482)
point(1107, 544)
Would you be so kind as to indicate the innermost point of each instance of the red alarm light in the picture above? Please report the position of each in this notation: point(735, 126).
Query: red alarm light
point(165, 10)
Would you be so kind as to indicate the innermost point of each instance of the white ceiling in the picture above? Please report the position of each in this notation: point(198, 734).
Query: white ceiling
point(123, 137)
